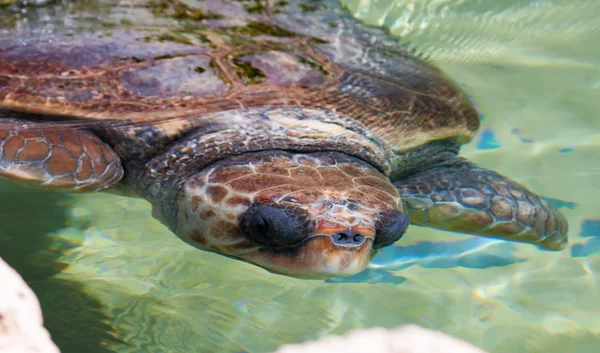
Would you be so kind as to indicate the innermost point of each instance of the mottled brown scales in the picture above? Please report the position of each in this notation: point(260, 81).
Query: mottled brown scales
point(472, 198)
point(272, 169)
point(375, 183)
point(251, 183)
point(85, 168)
point(470, 221)
point(540, 219)
point(30, 134)
point(86, 75)
point(231, 216)
point(501, 208)
point(110, 169)
point(372, 196)
point(196, 201)
point(60, 161)
point(304, 172)
point(328, 226)
point(226, 174)
point(238, 200)
point(525, 212)
point(225, 231)
point(59, 138)
point(94, 149)
point(206, 214)
point(63, 158)
point(275, 193)
point(76, 145)
point(235, 247)
point(256, 129)
point(216, 193)
point(197, 236)
point(334, 176)
point(510, 228)
point(353, 171)
point(11, 147)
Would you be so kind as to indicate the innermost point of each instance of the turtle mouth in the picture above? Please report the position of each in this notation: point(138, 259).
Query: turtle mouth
point(343, 241)
point(319, 256)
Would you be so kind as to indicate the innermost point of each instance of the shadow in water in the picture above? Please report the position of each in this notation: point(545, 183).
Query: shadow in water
point(475, 253)
point(29, 222)
point(590, 235)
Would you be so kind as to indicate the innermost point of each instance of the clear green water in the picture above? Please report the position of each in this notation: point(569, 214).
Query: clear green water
point(112, 279)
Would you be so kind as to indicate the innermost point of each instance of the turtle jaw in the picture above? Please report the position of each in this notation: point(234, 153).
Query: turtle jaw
point(318, 257)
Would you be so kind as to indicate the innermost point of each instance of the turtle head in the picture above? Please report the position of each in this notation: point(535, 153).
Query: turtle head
point(309, 215)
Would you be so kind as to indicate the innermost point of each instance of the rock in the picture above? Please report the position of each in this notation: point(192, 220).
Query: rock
point(404, 339)
point(21, 329)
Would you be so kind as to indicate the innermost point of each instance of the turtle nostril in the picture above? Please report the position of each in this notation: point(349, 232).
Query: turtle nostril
point(348, 238)
point(341, 237)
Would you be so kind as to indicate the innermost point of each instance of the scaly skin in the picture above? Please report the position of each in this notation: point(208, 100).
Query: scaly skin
point(58, 159)
point(333, 192)
point(179, 94)
point(460, 196)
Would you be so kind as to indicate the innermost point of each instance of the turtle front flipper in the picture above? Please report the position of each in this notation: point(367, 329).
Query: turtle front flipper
point(463, 197)
point(68, 159)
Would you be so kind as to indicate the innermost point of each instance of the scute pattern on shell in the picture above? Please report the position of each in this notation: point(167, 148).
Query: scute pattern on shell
point(220, 55)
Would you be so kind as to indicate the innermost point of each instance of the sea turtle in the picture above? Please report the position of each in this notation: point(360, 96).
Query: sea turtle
point(283, 133)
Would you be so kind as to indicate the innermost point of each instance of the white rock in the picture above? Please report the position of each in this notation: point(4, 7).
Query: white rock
point(404, 339)
point(21, 329)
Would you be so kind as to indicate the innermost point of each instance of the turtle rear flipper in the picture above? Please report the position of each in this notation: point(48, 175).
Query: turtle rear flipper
point(463, 197)
point(69, 159)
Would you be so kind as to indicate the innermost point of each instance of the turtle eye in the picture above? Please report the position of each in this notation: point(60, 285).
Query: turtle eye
point(272, 225)
point(258, 225)
point(391, 226)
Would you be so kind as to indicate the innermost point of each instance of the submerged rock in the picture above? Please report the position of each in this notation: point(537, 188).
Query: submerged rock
point(21, 329)
point(404, 339)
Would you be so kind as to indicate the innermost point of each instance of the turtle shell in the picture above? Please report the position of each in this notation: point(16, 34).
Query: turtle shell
point(172, 60)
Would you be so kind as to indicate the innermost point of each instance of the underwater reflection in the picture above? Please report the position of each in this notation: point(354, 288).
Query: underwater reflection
point(475, 253)
point(34, 246)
